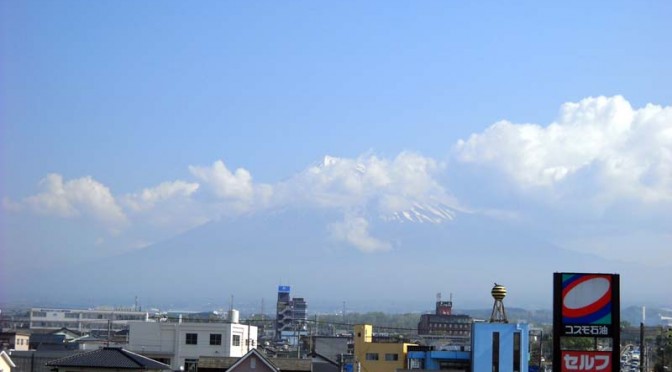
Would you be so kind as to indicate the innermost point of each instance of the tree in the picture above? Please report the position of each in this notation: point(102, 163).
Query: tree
point(577, 343)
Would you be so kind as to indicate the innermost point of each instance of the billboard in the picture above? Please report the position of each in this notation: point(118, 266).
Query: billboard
point(283, 289)
point(586, 305)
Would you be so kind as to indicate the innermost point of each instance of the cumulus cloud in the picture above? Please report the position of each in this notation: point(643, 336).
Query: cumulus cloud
point(626, 152)
point(388, 186)
point(404, 187)
point(79, 197)
point(354, 230)
point(150, 197)
point(169, 206)
point(236, 187)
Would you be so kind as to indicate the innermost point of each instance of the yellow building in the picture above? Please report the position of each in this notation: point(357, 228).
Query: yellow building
point(377, 356)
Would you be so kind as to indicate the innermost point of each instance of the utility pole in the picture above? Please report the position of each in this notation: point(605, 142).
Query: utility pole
point(109, 331)
point(641, 347)
point(262, 309)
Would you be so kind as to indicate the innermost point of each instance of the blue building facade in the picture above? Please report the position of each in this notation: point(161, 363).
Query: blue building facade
point(439, 360)
point(500, 347)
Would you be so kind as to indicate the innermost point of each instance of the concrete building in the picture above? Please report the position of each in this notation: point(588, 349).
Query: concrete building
point(446, 324)
point(291, 315)
point(83, 320)
point(180, 344)
point(375, 355)
point(500, 347)
point(446, 360)
point(283, 313)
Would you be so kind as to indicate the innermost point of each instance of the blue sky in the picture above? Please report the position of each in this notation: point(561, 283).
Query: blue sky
point(135, 95)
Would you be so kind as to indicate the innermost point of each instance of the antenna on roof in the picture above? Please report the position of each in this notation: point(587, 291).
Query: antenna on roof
point(262, 308)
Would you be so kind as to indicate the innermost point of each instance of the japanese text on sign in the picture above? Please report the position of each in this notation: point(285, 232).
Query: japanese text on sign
point(585, 361)
point(586, 330)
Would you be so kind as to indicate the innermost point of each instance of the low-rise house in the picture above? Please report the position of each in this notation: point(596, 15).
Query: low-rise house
point(6, 363)
point(36, 360)
point(14, 340)
point(254, 361)
point(331, 347)
point(321, 363)
point(106, 359)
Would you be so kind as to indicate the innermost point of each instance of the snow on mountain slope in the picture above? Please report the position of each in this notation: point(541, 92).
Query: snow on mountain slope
point(422, 213)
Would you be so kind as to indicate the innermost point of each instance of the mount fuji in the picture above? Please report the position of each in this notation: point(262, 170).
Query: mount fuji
point(428, 249)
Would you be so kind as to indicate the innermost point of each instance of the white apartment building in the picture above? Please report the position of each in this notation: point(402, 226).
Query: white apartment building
point(180, 344)
point(83, 320)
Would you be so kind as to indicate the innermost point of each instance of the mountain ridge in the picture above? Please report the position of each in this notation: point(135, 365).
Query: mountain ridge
point(248, 256)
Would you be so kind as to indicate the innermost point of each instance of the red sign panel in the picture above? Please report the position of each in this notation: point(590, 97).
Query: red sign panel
point(588, 361)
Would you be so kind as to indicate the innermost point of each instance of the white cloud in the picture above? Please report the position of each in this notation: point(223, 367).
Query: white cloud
point(389, 186)
point(10, 205)
point(150, 197)
point(236, 187)
point(354, 230)
point(626, 152)
point(169, 207)
point(84, 197)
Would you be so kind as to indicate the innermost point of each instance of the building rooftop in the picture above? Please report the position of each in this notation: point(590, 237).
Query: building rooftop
point(109, 357)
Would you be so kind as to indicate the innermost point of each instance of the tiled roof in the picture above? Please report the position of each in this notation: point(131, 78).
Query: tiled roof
point(283, 364)
point(217, 362)
point(109, 357)
point(289, 364)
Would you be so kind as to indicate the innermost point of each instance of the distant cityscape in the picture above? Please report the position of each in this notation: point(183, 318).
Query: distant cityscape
point(36, 338)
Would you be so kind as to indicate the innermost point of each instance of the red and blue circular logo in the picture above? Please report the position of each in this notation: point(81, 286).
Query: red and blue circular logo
point(586, 299)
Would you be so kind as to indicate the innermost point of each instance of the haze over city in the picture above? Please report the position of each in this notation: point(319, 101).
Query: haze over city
point(373, 154)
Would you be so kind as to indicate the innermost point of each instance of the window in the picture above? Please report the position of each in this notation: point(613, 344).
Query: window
point(371, 356)
point(215, 339)
point(236, 340)
point(391, 357)
point(191, 365)
point(495, 352)
point(192, 339)
point(516, 352)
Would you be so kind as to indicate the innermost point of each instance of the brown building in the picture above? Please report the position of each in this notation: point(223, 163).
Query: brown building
point(444, 323)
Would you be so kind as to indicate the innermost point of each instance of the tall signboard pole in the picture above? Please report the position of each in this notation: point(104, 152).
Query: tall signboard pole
point(586, 306)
